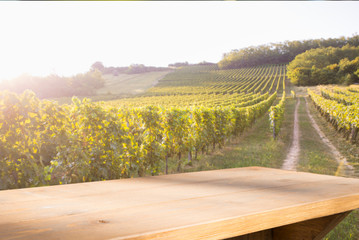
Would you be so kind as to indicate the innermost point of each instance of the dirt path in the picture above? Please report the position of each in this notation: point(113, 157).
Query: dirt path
point(344, 168)
point(290, 163)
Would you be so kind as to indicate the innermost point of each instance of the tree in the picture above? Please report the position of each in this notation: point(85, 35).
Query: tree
point(276, 53)
point(325, 66)
point(98, 66)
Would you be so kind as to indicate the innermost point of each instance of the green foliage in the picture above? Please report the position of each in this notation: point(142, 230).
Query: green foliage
point(196, 86)
point(346, 230)
point(44, 143)
point(276, 53)
point(54, 86)
point(132, 69)
point(344, 118)
point(30, 131)
point(93, 152)
point(357, 73)
point(325, 66)
point(276, 116)
point(341, 96)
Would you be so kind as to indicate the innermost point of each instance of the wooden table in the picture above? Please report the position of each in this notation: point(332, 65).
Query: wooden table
point(246, 203)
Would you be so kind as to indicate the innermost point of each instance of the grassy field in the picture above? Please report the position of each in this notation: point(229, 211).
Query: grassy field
point(121, 86)
point(314, 156)
point(130, 83)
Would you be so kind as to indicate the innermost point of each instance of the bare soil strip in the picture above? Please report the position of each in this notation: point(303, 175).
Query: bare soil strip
point(290, 163)
point(344, 168)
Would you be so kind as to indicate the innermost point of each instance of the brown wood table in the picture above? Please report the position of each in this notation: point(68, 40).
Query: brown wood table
point(245, 203)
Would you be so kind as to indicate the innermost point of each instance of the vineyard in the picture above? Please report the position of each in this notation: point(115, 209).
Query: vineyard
point(340, 107)
point(189, 112)
point(208, 86)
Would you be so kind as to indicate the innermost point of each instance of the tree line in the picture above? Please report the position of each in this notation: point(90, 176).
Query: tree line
point(325, 66)
point(276, 53)
point(141, 68)
point(82, 84)
point(185, 64)
point(132, 69)
point(54, 86)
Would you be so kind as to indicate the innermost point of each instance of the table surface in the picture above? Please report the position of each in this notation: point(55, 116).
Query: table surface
point(200, 205)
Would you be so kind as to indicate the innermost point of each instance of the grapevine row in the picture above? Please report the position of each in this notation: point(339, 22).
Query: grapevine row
point(340, 96)
point(343, 118)
point(44, 143)
point(276, 116)
point(190, 111)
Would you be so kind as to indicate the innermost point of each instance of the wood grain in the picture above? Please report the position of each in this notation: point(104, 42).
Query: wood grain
point(201, 205)
point(262, 235)
point(314, 229)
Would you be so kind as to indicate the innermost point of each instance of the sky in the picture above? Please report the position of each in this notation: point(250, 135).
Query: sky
point(66, 38)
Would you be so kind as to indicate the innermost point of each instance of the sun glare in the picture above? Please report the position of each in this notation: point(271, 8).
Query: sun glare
point(43, 42)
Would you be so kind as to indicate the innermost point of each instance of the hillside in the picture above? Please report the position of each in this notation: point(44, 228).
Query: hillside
point(130, 83)
point(209, 86)
point(120, 86)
